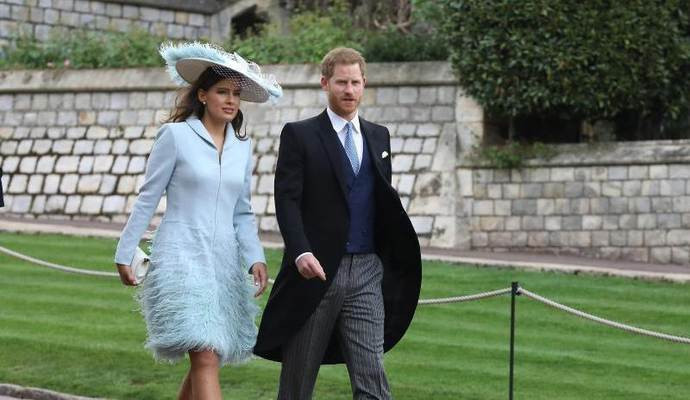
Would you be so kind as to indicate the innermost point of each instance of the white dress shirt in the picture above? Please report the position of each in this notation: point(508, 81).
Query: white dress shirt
point(338, 124)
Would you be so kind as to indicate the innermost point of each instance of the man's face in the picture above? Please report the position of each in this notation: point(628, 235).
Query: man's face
point(344, 89)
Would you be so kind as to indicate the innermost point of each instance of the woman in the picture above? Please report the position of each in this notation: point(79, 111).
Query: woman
point(196, 298)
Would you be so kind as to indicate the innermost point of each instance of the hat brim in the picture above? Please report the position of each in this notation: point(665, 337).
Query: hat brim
point(190, 69)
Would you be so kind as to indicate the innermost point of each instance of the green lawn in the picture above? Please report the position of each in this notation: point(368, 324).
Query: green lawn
point(82, 335)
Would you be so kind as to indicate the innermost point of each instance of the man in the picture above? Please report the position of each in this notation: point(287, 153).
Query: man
point(351, 272)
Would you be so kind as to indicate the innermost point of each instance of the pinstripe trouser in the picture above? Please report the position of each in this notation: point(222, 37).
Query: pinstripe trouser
point(353, 305)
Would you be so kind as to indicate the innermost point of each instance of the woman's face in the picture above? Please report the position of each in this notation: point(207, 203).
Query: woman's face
point(222, 100)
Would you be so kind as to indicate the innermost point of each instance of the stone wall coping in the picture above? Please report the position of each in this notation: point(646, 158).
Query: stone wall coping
point(606, 154)
point(293, 76)
point(198, 6)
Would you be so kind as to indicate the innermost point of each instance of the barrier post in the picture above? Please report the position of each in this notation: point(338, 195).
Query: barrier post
point(513, 294)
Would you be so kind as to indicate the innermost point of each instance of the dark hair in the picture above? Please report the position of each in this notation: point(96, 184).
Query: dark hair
point(187, 102)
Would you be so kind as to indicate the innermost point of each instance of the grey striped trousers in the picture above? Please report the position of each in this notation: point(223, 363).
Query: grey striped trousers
point(353, 305)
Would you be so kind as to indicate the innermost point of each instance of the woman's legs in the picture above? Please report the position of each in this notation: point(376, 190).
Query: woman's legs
point(203, 375)
point(185, 392)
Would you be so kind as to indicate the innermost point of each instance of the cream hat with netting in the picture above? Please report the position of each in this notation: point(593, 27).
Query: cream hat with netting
point(187, 61)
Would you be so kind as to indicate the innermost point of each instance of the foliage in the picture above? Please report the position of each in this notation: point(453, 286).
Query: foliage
point(309, 35)
point(84, 49)
point(313, 33)
point(367, 14)
point(513, 154)
point(589, 59)
point(394, 45)
point(427, 14)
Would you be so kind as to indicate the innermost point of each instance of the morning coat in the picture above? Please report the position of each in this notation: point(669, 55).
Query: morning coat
point(312, 213)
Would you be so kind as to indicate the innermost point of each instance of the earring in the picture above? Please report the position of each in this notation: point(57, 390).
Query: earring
point(203, 102)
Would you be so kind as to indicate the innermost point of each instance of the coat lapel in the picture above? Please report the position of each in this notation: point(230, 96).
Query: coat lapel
point(372, 144)
point(331, 143)
point(198, 128)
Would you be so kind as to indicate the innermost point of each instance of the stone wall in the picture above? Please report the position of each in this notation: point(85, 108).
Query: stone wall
point(618, 201)
point(74, 143)
point(173, 19)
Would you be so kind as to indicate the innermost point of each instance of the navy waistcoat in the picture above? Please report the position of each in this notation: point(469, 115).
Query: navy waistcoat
point(361, 203)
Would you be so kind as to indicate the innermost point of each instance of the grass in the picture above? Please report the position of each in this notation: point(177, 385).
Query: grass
point(82, 335)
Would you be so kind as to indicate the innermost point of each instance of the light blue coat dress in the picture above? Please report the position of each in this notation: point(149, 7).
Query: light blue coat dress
point(197, 294)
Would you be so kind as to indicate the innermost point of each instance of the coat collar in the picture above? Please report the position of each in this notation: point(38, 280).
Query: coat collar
point(199, 128)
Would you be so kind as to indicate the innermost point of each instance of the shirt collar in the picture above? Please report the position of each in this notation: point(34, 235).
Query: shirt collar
point(339, 122)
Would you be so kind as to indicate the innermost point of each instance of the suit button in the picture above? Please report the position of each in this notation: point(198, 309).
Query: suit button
point(347, 243)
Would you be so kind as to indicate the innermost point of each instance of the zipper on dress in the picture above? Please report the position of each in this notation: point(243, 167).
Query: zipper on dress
point(220, 181)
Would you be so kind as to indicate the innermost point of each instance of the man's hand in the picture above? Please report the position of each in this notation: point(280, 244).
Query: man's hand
point(126, 275)
point(260, 273)
point(309, 267)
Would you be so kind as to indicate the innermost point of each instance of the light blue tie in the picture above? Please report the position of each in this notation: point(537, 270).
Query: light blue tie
point(350, 148)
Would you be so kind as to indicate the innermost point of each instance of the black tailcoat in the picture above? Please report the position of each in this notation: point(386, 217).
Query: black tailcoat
point(312, 212)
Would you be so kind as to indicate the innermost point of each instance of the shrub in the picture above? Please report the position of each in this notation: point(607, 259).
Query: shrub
point(579, 60)
point(312, 34)
point(84, 49)
point(394, 45)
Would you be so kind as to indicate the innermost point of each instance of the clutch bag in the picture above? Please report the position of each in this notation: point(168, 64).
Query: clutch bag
point(140, 265)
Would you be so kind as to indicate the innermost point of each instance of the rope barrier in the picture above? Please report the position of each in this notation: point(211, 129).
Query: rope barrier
point(56, 266)
point(459, 299)
point(613, 324)
point(63, 268)
point(446, 300)
point(443, 300)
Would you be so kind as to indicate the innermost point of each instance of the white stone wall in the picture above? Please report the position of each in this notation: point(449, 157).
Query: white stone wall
point(80, 153)
point(42, 17)
point(624, 201)
point(73, 145)
point(78, 156)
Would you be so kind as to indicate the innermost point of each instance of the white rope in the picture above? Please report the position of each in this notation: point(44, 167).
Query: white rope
point(613, 324)
point(56, 266)
point(444, 300)
point(82, 271)
point(459, 299)
point(63, 267)
point(73, 270)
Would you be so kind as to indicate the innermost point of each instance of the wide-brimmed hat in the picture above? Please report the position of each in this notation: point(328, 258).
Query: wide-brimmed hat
point(187, 61)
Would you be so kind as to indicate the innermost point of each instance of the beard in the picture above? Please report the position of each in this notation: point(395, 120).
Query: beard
point(342, 105)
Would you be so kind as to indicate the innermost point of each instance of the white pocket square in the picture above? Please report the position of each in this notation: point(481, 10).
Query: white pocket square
point(384, 154)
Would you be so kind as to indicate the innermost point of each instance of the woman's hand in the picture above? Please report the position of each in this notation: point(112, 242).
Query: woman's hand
point(260, 272)
point(126, 275)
